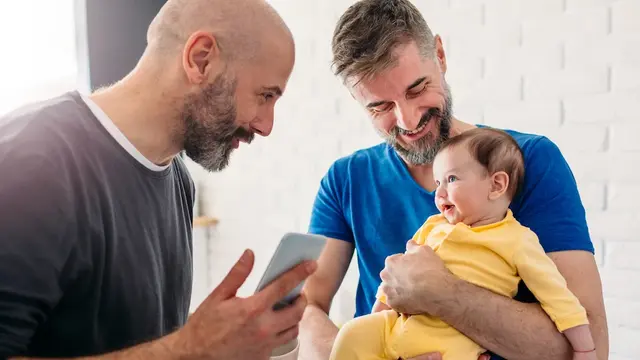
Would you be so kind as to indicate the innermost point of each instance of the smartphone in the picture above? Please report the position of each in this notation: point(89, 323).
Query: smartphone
point(293, 249)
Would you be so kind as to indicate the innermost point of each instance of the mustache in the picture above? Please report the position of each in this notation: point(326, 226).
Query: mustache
point(244, 134)
point(426, 117)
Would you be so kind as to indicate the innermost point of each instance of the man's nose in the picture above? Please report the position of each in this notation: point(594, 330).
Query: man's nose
point(407, 116)
point(263, 124)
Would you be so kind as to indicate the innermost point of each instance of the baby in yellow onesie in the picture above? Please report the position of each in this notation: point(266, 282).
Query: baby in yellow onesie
point(477, 175)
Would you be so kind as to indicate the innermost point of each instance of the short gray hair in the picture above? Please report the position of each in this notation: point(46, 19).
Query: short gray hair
point(369, 31)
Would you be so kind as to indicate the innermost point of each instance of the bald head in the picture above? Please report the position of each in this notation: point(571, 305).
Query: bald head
point(218, 66)
point(239, 26)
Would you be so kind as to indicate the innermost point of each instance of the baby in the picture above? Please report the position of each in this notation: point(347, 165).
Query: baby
point(477, 175)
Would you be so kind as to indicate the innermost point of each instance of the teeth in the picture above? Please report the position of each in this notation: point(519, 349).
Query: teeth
point(413, 132)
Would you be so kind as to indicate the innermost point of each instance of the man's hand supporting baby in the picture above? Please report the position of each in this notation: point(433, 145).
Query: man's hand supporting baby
point(417, 282)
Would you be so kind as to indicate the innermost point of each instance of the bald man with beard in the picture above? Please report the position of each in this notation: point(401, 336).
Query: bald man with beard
point(96, 206)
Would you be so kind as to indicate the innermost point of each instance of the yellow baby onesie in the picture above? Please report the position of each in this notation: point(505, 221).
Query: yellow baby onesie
point(494, 257)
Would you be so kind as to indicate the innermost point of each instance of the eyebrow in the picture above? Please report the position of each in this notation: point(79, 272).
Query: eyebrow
point(409, 88)
point(416, 83)
point(275, 89)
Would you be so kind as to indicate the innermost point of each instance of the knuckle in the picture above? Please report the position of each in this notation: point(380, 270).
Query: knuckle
point(295, 331)
point(251, 309)
point(384, 275)
point(263, 332)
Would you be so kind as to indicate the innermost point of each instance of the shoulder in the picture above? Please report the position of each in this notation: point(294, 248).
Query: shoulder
point(45, 127)
point(537, 149)
point(39, 141)
point(547, 173)
point(523, 233)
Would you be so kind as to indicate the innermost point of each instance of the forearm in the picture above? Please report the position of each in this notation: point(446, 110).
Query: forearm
point(511, 329)
point(317, 334)
point(580, 338)
point(157, 350)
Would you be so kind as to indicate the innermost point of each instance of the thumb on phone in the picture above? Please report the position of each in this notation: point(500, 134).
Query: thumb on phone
point(235, 278)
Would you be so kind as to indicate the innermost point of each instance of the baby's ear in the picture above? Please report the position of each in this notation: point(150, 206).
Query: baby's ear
point(499, 185)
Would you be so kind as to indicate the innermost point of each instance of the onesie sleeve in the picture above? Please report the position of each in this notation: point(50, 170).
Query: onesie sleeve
point(544, 280)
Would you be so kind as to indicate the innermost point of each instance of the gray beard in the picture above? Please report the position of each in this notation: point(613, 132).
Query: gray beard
point(210, 125)
point(424, 150)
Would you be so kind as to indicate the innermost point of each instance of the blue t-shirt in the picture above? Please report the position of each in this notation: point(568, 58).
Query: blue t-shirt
point(370, 199)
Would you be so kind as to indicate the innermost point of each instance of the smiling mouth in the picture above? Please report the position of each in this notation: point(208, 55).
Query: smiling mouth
point(446, 208)
point(417, 130)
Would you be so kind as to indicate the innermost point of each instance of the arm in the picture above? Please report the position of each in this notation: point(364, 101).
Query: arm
point(518, 330)
point(544, 280)
point(153, 350)
point(317, 331)
point(583, 279)
point(226, 327)
point(38, 246)
point(524, 331)
point(512, 329)
point(507, 327)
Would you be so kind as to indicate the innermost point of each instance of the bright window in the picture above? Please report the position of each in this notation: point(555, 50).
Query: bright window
point(38, 57)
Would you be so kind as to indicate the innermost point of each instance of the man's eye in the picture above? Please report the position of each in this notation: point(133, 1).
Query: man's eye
point(381, 109)
point(452, 178)
point(267, 96)
point(417, 93)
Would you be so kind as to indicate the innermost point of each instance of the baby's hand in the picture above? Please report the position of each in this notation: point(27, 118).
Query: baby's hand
point(585, 355)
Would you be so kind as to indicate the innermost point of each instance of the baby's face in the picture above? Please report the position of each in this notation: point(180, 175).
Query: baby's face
point(463, 188)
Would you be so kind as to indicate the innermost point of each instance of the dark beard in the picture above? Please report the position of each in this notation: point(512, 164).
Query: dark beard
point(424, 150)
point(210, 124)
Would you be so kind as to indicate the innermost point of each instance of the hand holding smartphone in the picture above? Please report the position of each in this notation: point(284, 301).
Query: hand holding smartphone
point(293, 249)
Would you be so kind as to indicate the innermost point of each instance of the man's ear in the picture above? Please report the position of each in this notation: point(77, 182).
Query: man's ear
point(442, 58)
point(499, 185)
point(201, 57)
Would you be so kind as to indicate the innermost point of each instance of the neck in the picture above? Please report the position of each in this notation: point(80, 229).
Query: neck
point(147, 116)
point(423, 174)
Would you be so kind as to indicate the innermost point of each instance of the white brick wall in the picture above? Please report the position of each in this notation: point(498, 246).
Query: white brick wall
point(568, 69)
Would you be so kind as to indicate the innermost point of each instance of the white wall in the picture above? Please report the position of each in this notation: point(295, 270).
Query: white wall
point(566, 69)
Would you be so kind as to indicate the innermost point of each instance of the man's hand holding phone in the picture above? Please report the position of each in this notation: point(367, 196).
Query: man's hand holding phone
point(229, 327)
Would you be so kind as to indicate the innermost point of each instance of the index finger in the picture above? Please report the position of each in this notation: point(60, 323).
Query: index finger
point(281, 286)
point(411, 245)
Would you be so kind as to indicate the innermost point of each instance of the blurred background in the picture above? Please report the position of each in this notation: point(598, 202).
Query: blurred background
point(567, 69)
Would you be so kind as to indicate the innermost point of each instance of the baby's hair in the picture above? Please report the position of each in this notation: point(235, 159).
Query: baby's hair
point(496, 151)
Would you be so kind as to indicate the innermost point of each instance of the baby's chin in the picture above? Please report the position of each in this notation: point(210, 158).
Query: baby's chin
point(456, 219)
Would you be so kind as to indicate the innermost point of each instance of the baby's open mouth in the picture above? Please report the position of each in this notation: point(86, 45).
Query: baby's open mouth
point(447, 207)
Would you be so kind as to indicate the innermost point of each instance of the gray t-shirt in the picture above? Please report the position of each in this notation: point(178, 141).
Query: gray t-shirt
point(95, 247)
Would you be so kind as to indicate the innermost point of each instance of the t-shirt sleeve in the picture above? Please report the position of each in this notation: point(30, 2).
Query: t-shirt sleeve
point(35, 241)
point(327, 214)
point(551, 204)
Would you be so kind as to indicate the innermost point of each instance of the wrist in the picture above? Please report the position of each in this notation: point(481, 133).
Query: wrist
point(580, 339)
point(444, 298)
point(170, 347)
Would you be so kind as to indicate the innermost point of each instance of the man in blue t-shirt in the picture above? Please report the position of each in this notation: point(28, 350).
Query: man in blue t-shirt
point(374, 200)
